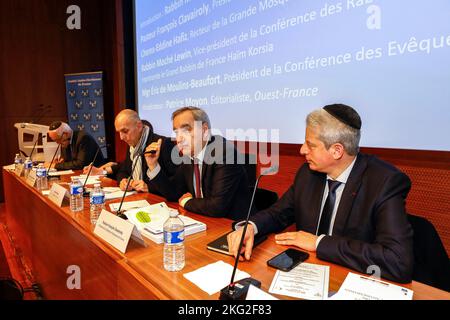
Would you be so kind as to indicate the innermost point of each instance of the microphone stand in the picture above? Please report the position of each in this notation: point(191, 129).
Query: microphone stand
point(86, 193)
point(119, 211)
point(32, 150)
point(238, 290)
point(54, 155)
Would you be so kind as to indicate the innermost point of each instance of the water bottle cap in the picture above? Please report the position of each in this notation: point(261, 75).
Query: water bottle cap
point(173, 213)
point(97, 185)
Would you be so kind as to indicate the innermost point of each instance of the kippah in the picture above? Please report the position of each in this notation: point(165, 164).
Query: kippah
point(55, 125)
point(345, 114)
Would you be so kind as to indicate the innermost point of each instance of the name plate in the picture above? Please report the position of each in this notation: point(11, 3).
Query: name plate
point(57, 194)
point(116, 231)
point(19, 171)
point(31, 179)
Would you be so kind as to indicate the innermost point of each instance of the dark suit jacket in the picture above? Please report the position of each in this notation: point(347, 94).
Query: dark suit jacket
point(371, 226)
point(123, 169)
point(80, 152)
point(224, 186)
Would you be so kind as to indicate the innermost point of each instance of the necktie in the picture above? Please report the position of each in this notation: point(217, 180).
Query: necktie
point(198, 192)
point(327, 211)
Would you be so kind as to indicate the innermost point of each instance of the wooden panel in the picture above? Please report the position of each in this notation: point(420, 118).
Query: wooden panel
point(54, 244)
point(60, 238)
point(37, 49)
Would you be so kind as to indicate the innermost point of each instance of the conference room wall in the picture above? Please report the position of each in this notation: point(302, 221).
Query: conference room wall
point(37, 49)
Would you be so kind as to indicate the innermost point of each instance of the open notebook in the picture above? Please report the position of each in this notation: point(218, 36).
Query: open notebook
point(150, 221)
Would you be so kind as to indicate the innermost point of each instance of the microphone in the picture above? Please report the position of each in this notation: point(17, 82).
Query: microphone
point(32, 150)
point(86, 193)
point(54, 155)
point(238, 290)
point(119, 211)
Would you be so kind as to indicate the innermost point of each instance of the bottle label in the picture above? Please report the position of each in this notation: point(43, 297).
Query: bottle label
point(41, 173)
point(98, 199)
point(76, 190)
point(28, 165)
point(173, 237)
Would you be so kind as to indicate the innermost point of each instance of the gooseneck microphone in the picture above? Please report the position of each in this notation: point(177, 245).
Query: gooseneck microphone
point(57, 148)
point(32, 150)
point(238, 290)
point(86, 193)
point(119, 210)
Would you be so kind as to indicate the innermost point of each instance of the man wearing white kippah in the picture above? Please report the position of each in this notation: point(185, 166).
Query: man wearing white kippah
point(347, 206)
point(78, 148)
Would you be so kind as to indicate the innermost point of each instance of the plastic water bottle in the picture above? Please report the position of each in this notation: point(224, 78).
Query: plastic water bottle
point(17, 161)
point(76, 195)
point(174, 259)
point(41, 180)
point(28, 165)
point(97, 202)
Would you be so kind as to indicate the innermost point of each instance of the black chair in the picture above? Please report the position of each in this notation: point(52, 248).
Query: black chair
point(263, 198)
point(431, 263)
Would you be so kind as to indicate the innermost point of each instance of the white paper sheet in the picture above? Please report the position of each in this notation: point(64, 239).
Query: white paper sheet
point(214, 277)
point(60, 173)
point(111, 189)
point(118, 194)
point(306, 281)
point(129, 205)
point(255, 293)
point(356, 287)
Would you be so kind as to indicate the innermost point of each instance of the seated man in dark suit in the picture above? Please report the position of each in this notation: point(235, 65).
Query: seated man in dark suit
point(347, 206)
point(78, 148)
point(205, 182)
point(138, 134)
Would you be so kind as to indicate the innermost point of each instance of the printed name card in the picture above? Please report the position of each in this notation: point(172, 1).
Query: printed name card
point(31, 178)
point(19, 170)
point(57, 193)
point(116, 231)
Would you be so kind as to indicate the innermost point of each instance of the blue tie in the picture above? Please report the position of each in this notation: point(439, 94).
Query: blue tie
point(327, 211)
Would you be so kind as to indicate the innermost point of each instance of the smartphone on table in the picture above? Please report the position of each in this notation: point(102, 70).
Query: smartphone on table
point(288, 259)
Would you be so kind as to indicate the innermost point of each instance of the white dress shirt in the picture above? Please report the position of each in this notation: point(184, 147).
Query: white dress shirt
point(151, 174)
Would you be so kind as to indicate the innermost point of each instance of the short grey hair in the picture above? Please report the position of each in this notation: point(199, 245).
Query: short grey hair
point(332, 131)
point(198, 114)
point(129, 115)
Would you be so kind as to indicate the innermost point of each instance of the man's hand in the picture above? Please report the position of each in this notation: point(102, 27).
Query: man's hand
point(107, 167)
point(234, 239)
point(152, 158)
point(184, 198)
point(301, 239)
point(95, 171)
point(139, 185)
point(123, 185)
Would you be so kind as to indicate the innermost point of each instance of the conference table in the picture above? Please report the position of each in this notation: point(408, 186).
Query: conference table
point(58, 245)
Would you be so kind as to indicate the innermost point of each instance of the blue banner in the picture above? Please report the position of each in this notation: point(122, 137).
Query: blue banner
point(84, 95)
